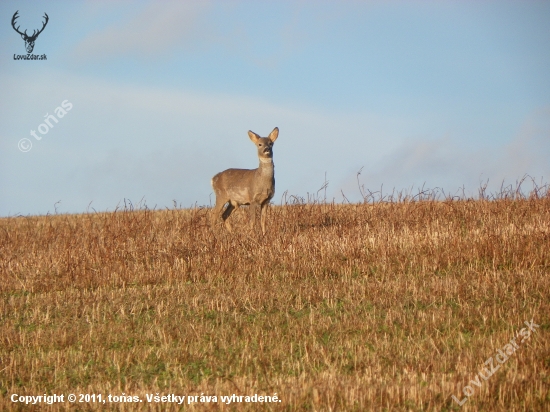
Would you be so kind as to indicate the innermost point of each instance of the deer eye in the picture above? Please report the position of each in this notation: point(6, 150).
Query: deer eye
point(260, 144)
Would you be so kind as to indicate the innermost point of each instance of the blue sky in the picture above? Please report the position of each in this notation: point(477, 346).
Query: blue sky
point(443, 94)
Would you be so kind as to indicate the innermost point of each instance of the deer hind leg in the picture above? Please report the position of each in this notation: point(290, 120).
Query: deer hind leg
point(217, 210)
point(227, 212)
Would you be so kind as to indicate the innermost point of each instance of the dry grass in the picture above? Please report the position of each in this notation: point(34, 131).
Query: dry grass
point(387, 306)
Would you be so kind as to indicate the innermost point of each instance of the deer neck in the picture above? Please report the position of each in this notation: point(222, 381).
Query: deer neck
point(267, 168)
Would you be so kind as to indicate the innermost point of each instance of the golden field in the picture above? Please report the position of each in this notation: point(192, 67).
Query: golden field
point(356, 307)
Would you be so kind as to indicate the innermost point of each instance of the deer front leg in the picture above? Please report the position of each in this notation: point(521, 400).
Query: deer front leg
point(263, 214)
point(252, 215)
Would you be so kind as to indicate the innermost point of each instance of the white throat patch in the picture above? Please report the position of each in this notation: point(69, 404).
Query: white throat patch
point(265, 160)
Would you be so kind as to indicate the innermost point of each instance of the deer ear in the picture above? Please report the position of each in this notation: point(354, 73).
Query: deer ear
point(274, 134)
point(253, 136)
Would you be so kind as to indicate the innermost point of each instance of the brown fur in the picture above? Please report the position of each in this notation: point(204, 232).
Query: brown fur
point(254, 187)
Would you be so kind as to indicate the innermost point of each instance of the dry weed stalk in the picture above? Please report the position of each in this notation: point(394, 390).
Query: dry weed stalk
point(338, 307)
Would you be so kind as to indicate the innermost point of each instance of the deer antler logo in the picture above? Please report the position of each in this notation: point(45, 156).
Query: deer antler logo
point(29, 40)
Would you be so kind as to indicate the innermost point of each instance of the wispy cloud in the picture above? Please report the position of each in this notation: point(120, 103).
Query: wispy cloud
point(124, 141)
point(529, 152)
point(449, 164)
point(156, 29)
point(168, 28)
point(128, 141)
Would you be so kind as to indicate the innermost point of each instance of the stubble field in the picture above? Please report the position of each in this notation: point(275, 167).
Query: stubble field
point(384, 306)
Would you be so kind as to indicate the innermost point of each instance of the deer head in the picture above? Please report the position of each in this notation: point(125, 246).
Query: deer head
point(29, 40)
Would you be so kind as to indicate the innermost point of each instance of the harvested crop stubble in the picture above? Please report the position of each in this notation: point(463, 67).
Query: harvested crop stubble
point(339, 307)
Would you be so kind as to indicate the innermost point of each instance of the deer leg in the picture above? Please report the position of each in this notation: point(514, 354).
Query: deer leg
point(216, 211)
point(263, 213)
point(230, 208)
point(252, 215)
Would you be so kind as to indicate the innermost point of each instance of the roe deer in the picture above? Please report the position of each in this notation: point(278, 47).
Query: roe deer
point(253, 187)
